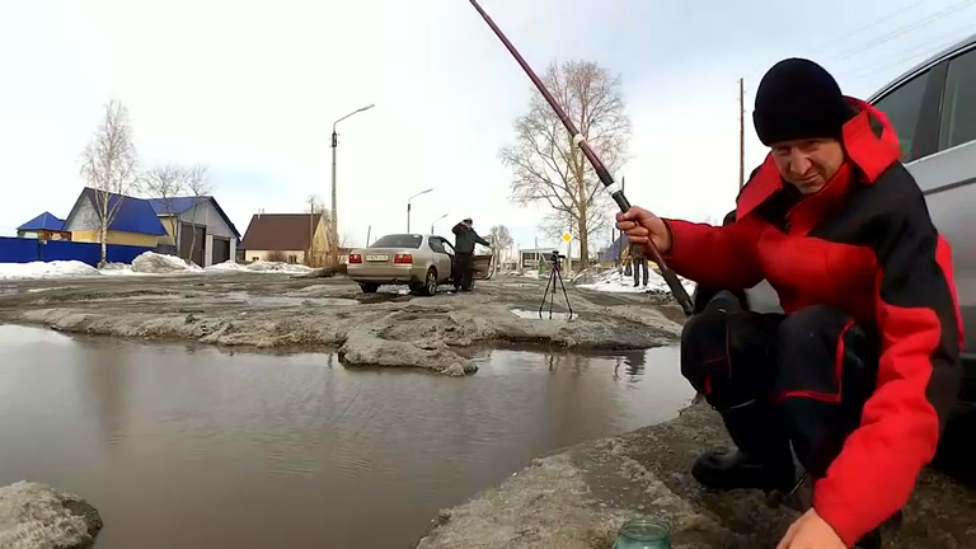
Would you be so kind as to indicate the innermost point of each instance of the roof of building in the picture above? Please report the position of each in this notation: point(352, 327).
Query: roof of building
point(134, 215)
point(43, 222)
point(178, 205)
point(280, 231)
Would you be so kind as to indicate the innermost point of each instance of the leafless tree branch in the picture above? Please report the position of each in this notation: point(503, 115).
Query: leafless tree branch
point(548, 168)
point(109, 166)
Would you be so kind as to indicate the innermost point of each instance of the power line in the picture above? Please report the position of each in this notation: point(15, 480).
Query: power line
point(854, 32)
point(913, 52)
point(900, 31)
point(869, 25)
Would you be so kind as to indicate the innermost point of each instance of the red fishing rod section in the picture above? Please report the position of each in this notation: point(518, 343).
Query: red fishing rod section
point(679, 292)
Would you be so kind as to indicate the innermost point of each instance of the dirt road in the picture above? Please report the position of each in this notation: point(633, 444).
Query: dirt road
point(390, 328)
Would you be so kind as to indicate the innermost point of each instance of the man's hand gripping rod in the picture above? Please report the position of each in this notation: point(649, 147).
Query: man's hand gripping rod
point(679, 292)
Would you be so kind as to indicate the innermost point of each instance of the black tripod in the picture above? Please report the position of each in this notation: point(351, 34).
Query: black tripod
point(555, 274)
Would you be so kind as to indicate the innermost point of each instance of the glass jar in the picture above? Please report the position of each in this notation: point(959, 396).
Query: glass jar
point(644, 533)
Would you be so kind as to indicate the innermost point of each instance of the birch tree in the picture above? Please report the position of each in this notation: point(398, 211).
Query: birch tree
point(109, 166)
point(547, 168)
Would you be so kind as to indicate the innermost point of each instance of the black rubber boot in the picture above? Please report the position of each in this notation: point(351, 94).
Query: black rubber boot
point(871, 541)
point(763, 459)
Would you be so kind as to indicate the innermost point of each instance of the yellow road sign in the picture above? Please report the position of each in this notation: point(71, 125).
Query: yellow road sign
point(567, 237)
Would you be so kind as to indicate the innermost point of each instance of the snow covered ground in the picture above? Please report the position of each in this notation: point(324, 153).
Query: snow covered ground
point(615, 281)
point(147, 264)
point(46, 269)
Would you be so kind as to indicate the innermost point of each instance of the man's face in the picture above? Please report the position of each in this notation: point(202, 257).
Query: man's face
point(808, 163)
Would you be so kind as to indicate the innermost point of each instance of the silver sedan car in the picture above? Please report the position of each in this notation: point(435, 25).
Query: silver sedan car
point(423, 262)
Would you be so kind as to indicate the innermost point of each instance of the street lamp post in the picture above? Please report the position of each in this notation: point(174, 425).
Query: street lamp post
point(435, 222)
point(335, 143)
point(409, 200)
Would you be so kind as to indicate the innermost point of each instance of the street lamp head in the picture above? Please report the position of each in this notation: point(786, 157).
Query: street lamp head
point(366, 108)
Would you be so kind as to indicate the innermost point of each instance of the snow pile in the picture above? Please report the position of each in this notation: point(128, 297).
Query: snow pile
point(615, 281)
point(153, 263)
point(45, 269)
point(276, 267)
point(117, 269)
point(227, 266)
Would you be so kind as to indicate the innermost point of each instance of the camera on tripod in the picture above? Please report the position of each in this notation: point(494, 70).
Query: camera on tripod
point(556, 259)
point(555, 277)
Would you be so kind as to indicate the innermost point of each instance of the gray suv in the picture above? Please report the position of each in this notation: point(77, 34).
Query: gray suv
point(933, 110)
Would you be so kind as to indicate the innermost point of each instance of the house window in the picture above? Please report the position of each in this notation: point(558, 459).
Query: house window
point(903, 106)
point(958, 123)
point(292, 258)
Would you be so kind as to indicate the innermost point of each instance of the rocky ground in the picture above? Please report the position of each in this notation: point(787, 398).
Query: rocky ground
point(579, 498)
point(35, 516)
point(390, 328)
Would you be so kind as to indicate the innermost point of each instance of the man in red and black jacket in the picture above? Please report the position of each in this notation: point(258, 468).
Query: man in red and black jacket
point(861, 371)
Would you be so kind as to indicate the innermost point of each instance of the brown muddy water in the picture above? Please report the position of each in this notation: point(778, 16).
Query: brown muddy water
point(195, 447)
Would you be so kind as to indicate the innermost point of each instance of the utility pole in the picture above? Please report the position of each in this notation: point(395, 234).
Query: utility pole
point(742, 133)
point(335, 143)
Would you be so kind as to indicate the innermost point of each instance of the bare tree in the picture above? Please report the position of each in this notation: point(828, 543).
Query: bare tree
point(109, 166)
point(166, 182)
point(315, 206)
point(500, 239)
point(197, 181)
point(549, 168)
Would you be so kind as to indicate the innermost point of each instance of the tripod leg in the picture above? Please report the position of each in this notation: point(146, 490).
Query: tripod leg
point(543, 304)
point(552, 296)
point(566, 296)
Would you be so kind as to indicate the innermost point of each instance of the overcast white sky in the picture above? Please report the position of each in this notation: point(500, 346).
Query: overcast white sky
point(251, 89)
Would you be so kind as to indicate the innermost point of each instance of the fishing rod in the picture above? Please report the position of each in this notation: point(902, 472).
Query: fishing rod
point(679, 292)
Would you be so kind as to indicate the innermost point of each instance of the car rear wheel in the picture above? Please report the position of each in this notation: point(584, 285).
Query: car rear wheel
point(430, 283)
point(369, 288)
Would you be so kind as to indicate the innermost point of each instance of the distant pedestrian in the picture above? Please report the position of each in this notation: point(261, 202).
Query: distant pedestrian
point(639, 261)
point(465, 239)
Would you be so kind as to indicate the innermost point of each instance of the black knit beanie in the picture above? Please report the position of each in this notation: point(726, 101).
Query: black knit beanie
point(799, 99)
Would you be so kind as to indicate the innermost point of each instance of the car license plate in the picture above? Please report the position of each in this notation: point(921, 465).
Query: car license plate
point(377, 258)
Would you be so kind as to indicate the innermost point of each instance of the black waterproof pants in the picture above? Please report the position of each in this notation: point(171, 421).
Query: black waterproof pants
point(776, 379)
point(464, 262)
point(640, 263)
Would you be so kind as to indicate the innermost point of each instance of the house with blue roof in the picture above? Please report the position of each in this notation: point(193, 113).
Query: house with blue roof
point(133, 223)
point(44, 227)
point(197, 229)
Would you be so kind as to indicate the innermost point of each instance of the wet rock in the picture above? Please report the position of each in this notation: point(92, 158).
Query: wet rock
point(35, 516)
point(579, 498)
point(455, 370)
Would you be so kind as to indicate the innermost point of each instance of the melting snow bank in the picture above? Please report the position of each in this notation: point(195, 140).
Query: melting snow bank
point(262, 267)
point(615, 281)
point(46, 269)
point(578, 499)
point(35, 516)
point(148, 263)
point(153, 263)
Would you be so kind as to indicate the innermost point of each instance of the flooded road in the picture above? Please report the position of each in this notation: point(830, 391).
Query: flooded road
point(194, 447)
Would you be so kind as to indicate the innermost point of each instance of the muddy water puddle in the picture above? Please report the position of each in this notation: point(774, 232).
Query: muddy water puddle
point(197, 448)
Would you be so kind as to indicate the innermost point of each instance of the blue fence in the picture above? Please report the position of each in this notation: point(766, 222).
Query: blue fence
point(25, 250)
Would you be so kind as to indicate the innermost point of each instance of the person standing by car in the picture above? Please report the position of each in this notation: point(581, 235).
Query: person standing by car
point(465, 239)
